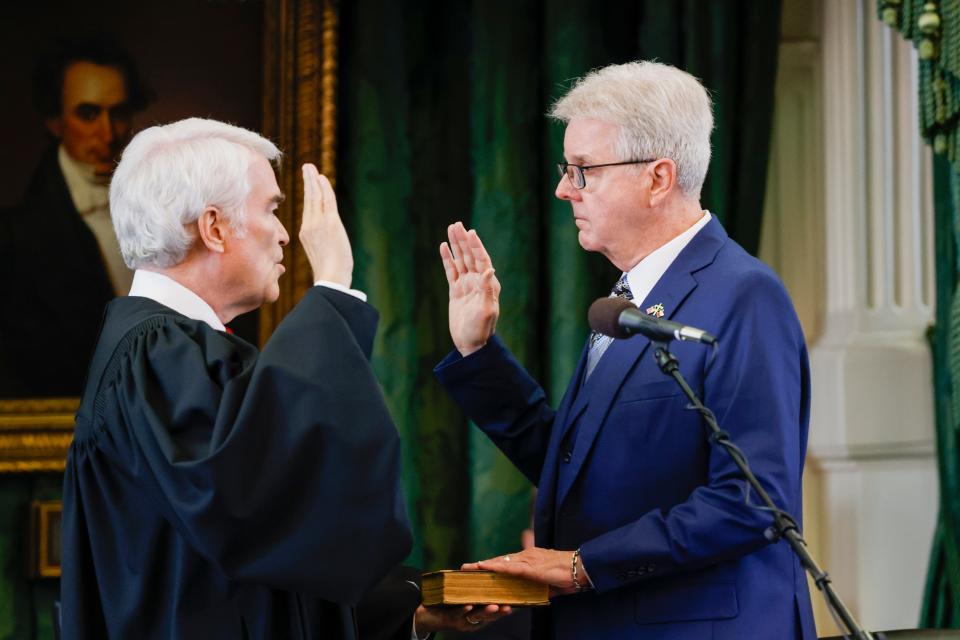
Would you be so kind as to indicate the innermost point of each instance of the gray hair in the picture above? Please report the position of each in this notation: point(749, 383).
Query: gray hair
point(662, 112)
point(169, 174)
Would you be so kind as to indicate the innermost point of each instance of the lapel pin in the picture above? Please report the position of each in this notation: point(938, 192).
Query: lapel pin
point(656, 310)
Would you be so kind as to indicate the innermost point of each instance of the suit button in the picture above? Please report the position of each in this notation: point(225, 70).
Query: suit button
point(567, 457)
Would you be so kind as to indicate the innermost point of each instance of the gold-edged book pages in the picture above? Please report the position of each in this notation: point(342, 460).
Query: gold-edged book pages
point(482, 587)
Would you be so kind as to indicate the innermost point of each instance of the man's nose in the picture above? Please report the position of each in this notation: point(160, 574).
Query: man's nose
point(565, 190)
point(284, 236)
point(106, 126)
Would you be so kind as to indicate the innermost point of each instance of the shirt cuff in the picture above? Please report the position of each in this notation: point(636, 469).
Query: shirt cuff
point(339, 287)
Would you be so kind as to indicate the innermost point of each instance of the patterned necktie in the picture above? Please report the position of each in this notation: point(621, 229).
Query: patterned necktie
point(598, 341)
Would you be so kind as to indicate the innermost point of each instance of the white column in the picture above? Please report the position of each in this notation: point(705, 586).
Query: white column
point(851, 234)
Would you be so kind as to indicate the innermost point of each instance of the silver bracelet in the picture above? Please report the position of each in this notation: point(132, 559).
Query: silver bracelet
point(573, 571)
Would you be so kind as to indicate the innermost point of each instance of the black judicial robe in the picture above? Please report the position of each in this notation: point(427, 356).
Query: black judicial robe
point(212, 491)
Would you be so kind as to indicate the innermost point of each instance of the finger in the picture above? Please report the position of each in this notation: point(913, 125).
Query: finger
point(488, 279)
point(500, 566)
point(328, 199)
point(479, 253)
point(453, 238)
point(467, 250)
point(309, 193)
point(452, 234)
point(463, 248)
point(449, 266)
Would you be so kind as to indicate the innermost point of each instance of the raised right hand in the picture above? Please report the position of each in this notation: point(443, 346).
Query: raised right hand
point(322, 234)
point(474, 289)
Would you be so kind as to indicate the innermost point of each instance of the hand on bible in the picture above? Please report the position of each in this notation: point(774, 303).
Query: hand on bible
point(474, 289)
point(466, 618)
point(546, 566)
point(322, 234)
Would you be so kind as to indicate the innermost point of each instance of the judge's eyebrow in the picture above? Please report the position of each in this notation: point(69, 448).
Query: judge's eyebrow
point(277, 199)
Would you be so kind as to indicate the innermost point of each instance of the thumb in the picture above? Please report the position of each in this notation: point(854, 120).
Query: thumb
point(488, 278)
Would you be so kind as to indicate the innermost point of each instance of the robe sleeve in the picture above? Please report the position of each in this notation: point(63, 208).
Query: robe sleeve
point(281, 468)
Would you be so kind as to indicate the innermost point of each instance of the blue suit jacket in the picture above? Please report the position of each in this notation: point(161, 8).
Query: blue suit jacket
point(625, 472)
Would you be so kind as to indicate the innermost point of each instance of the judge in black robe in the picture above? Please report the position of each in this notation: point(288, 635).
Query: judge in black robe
point(214, 491)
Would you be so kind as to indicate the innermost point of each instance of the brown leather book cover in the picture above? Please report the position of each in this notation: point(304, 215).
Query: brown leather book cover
point(482, 587)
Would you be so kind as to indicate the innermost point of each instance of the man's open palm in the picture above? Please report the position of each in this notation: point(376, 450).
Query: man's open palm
point(474, 289)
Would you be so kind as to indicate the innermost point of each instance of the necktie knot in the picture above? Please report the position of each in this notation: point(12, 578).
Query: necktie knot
point(598, 341)
point(622, 289)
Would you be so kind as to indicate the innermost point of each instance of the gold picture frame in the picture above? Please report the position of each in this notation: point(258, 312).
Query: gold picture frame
point(44, 539)
point(35, 434)
point(299, 114)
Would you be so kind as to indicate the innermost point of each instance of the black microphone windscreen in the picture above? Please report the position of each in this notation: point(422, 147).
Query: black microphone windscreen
point(604, 316)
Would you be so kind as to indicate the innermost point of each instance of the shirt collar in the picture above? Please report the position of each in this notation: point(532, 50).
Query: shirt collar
point(644, 276)
point(89, 191)
point(170, 293)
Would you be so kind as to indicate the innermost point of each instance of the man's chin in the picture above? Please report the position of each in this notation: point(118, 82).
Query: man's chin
point(272, 295)
point(586, 242)
point(104, 168)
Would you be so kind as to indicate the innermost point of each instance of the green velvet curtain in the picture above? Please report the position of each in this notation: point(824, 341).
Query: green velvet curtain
point(442, 118)
point(941, 601)
point(934, 29)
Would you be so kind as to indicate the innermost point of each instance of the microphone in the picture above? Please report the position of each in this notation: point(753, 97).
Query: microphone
point(619, 318)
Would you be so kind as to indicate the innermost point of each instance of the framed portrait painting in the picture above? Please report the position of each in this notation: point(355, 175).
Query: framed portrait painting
point(82, 79)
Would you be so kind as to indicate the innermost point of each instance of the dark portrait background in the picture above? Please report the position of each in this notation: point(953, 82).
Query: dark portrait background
point(201, 58)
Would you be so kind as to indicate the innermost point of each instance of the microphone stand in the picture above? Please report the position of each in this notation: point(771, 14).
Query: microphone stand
point(784, 527)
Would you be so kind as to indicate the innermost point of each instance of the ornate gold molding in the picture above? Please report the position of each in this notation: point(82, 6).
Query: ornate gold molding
point(43, 539)
point(299, 114)
point(35, 433)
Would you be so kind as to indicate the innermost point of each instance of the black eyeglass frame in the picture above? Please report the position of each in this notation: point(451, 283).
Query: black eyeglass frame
point(562, 169)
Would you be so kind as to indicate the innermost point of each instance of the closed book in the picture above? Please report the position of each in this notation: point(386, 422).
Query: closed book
point(482, 587)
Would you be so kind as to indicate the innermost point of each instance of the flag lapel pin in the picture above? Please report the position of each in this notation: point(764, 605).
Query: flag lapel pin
point(656, 310)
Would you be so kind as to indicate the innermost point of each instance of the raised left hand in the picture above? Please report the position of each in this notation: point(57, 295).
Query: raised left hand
point(546, 566)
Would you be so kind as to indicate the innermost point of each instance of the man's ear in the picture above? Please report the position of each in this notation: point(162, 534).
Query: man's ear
point(212, 229)
point(55, 126)
point(663, 179)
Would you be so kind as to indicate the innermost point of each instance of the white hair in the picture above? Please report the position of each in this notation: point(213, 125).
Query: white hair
point(662, 112)
point(169, 174)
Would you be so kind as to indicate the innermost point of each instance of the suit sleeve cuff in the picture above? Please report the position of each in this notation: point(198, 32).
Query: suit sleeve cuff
point(455, 367)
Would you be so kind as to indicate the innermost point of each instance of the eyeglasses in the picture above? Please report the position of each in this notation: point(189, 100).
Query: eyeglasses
point(575, 171)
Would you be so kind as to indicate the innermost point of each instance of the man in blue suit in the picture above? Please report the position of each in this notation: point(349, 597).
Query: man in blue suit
point(643, 530)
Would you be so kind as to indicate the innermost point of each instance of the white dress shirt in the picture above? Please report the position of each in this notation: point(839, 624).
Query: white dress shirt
point(645, 275)
point(172, 294)
point(89, 193)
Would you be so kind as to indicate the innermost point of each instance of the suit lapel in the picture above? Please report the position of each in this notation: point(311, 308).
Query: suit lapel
point(548, 476)
point(597, 396)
